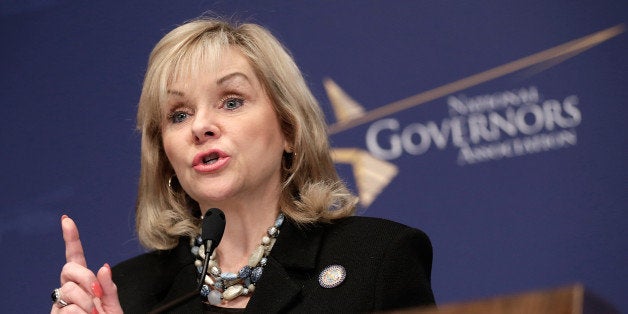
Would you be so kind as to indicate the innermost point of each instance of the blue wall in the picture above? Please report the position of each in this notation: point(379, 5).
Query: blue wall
point(520, 179)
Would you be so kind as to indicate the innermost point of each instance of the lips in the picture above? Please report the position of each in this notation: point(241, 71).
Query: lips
point(210, 161)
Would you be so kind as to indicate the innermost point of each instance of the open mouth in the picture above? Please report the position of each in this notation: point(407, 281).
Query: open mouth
point(211, 158)
point(210, 161)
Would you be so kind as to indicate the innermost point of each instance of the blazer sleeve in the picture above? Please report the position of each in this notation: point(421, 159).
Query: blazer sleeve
point(404, 279)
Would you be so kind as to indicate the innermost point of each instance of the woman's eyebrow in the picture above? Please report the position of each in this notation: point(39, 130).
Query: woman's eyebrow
point(232, 76)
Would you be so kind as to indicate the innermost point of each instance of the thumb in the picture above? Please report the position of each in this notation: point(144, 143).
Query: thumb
point(109, 292)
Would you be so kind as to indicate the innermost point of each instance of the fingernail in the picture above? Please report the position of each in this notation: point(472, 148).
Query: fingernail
point(97, 289)
point(64, 217)
point(107, 265)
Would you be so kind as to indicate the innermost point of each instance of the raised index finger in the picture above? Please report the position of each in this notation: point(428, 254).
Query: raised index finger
point(73, 247)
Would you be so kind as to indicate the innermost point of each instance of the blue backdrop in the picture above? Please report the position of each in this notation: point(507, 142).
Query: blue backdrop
point(498, 128)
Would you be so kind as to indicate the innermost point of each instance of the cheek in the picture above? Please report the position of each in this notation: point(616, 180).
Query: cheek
point(268, 140)
point(269, 126)
point(170, 149)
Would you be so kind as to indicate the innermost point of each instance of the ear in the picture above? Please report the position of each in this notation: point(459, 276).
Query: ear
point(288, 147)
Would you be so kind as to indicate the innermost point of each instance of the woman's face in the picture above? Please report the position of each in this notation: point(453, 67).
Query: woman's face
point(221, 134)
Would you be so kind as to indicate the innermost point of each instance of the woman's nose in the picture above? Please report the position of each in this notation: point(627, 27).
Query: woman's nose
point(204, 127)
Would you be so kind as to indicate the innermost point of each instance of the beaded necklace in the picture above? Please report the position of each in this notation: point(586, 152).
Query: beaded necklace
point(227, 286)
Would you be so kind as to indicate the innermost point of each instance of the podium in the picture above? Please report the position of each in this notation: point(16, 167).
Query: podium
point(573, 299)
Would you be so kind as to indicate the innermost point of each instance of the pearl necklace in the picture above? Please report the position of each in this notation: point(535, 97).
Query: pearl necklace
point(227, 286)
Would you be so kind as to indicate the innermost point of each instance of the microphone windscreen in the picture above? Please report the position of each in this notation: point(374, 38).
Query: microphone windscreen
point(213, 227)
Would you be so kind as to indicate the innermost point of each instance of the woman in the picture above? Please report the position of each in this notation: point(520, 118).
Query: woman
point(228, 122)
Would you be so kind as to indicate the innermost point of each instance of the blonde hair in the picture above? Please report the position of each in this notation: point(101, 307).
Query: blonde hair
point(311, 189)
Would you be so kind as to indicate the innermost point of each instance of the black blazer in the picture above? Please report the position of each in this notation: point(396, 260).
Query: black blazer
point(388, 266)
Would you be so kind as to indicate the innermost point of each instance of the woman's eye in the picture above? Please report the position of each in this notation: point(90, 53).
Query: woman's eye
point(233, 103)
point(178, 117)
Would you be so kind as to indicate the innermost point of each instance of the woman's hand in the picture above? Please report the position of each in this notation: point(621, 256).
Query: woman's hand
point(81, 289)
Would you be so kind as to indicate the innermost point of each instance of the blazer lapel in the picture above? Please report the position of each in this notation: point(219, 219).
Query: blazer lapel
point(180, 267)
point(295, 252)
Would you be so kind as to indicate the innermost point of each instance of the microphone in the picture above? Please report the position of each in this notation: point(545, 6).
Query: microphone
point(213, 226)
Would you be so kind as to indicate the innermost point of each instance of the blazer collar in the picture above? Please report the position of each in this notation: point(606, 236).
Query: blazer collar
point(296, 250)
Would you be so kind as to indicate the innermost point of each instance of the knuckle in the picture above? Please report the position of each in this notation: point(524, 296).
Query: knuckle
point(67, 272)
point(69, 266)
point(69, 288)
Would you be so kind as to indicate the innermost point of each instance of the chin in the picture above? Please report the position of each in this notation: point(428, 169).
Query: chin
point(213, 195)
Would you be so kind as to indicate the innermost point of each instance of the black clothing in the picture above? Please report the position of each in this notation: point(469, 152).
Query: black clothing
point(388, 266)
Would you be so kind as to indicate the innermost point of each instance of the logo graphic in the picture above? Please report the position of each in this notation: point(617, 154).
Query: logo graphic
point(485, 127)
point(372, 173)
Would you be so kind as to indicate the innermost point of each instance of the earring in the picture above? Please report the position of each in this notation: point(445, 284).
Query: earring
point(173, 183)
